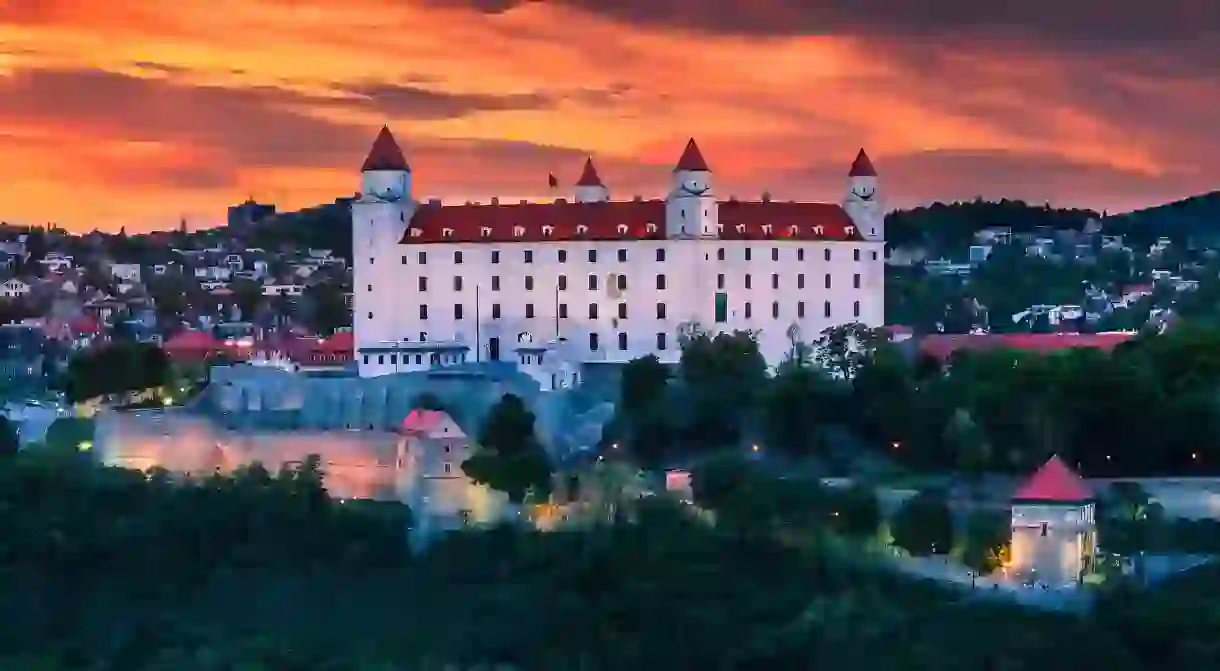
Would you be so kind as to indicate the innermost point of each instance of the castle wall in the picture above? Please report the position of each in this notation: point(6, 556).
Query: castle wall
point(1053, 543)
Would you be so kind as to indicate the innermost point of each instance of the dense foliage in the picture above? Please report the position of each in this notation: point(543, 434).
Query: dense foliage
point(116, 369)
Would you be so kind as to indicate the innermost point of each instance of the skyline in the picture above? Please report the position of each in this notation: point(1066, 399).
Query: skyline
point(113, 116)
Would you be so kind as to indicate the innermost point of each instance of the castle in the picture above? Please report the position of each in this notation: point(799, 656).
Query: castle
point(1054, 526)
point(438, 284)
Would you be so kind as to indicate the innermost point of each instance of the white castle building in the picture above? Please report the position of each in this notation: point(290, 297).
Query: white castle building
point(611, 280)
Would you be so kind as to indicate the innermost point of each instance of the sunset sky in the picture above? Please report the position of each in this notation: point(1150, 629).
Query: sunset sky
point(133, 112)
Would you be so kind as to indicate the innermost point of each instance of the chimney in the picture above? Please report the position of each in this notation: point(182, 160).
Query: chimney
point(561, 200)
point(732, 198)
point(766, 196)
point(495, 200)
point(637, 199)
point(523, 202)
point(469, 203)
point(434, 201)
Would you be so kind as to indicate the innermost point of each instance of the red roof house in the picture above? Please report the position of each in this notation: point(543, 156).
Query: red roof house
point(193, 345)
point(942, 345)
point(1055, 482)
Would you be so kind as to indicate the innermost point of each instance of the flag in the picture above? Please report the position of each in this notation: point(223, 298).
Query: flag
point(553, 181)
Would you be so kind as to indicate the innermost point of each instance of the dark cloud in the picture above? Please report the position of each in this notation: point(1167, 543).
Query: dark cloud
point(255, 126)
point(1186, 28)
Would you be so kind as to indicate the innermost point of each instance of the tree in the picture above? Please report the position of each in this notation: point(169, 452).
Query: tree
point(509, 457)
point(327, 309)
point(985, 545)
point(117, 368)
point(9, 443)
point(721, 379)
point(970, 446)
point(924, 525)
point(854, 511)
point(642, 421)
point(842, 350)
point(798, 405)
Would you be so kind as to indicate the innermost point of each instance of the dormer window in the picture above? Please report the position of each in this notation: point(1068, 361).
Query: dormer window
point(581, 229)
point(741, 228)
point(818, 230)
point(849, 230)
point(485, 231)
point(650, 227)
point(766, 229)
point(415, 232)
point(622, 229)
point(518, 231)
point(446, 232)
point(794, 230)
point(548, 230)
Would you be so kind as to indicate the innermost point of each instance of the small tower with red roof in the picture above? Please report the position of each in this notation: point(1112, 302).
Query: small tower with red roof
point(691, 210)
point(589, 188)
point(863, 202)
point(1054, 526)
point(380, 216)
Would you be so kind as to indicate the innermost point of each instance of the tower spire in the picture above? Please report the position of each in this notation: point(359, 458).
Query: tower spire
point(589, 176)
point(862, 166)
point(385, 154)
point(692, 159)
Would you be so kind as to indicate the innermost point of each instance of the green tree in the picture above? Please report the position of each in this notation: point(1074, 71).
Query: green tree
point(9, 443)
point(721, 379)
point(642, 420)
point(842, 350)
point(985, 544)
point(798, 406)
point(970, 446)
point(854, 511)
point(924, 524)
point(327, 309)
point(509, 457)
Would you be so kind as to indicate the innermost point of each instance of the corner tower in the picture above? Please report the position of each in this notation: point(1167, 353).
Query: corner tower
point(863, 202)
point(690, 208)
point(380, 216)
point(589, 188)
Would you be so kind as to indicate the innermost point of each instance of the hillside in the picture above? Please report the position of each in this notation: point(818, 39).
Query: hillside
point(1196, 216)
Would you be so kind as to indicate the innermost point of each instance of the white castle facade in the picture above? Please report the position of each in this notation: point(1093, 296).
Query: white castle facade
point(602, 280)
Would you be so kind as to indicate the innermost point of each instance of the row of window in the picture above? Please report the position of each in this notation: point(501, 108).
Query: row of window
point(459, 311)
point(562, 255)
point(620, 282)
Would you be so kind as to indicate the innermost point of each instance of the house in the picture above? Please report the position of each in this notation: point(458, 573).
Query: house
point(1054, 526)
point(126, 272)
point(942, 346)
point(22, 350)
point(14, 288)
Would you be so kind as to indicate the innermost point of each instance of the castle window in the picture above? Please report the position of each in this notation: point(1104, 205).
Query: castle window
point(720, 254)
point(593, 283)
point(563, 282)
point(495, 282)
point(749, 312)
point(622, 256)
point(423, 258)
point(622, 310)
point(774, 281)
point(380, 359)
point(457, 283)
point(661, 342)
point(457, 257)
point(563, 310)
point(592, 310)
point(775, 253)
point(826, 309)
point(529, 256)
point(622, 342)
point(592, 342)
point(423, 312)
point(747, 280)
point(563, 256)
point(495, 310)
point(529, 282)
point(800, 255)
point(660, 311)
point(874, 255)
point(800, 280)
point(855, 308)
point(826, 254)
point(423, 336)
point(661, 255)
point(622, 282)
point(1045, 528)
point(855, 253)
point(371, 259)
point(660, 281)
point(827, 280)
point(855, 281)
point(592, 256)
point(720, 281)
point(370, 315)
point(495, 256)
point(370, 287)
point(775, 309)
point(366, 358)
point(529, 310)
point(457, 311)
point(747, 253)
point(800, 309)
point(423, 283)
point(404, 259)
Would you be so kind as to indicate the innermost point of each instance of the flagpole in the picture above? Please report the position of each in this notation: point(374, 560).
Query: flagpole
point(478, 342)
point(556, 312)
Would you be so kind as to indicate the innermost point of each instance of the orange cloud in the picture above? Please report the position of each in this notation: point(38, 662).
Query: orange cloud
point(135, 115)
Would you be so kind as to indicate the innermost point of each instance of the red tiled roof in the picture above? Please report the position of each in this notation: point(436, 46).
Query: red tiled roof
point(942, 346)
point(862, 167)
point(193, 341)
point(422, 421)
point(85, 324)
point(385, 154)
point(692, 158)
point(1054, 482)
point(621, 220)
point(589, 177)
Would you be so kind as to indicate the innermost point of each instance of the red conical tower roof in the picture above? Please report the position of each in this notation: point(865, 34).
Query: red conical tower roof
point(862, 167)
point(1055, 482)
point(692, 158)
point(589, 177)
point(385, 154)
